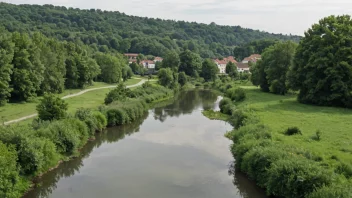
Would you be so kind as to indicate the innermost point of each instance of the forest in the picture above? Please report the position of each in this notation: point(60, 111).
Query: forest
point(114, 31)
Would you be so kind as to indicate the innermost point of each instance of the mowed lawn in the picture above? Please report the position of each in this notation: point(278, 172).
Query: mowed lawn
point(280, 112)
point(90, 99)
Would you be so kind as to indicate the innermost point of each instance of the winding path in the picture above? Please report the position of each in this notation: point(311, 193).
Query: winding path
point(74, 95)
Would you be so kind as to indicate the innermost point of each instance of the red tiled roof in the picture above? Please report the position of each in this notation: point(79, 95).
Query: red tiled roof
point(158, 58)
point(148, 61)
point(242, 65)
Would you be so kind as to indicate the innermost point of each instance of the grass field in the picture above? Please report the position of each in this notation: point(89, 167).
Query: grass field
point(280, 112)
point(90, 99)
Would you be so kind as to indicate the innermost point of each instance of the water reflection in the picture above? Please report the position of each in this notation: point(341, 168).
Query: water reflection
point(186, 103)
point(48, 182)
point(177, 153)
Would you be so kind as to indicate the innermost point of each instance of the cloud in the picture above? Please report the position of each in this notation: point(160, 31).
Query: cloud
point(278, 16)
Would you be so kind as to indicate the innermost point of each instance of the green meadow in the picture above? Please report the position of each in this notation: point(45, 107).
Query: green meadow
point(281, 112)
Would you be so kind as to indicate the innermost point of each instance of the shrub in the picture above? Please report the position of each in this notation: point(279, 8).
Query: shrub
point(333, 191)
point(238, 118)
point(296, 177)
point(117, 116)
point(257, 161)
point(52, 107)
point(236, 94)
point(35, 154)
point(344, 169)
point(10, 182)
point(68, 135)
point(293, 131)
point(118, 94)
point(101, 120)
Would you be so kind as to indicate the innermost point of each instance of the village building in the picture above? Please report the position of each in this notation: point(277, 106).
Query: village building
point(148, 64)
point(243, 67)
point(222, 63)
point(252, 58)
point(158, 59)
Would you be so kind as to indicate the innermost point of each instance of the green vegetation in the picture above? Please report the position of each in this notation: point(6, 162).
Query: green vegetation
point(288, 148)
point(31, 150)
point(114, 31)
point(52, 107)
point(209, 70)
point(253, 47)
point(231, 70)
point(323, 64)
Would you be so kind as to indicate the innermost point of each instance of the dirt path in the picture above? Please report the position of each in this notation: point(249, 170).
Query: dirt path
point(71, 96)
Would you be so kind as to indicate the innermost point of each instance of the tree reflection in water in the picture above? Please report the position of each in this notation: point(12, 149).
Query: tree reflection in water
point(47, 183)
point(186, 103)
point(246, 188)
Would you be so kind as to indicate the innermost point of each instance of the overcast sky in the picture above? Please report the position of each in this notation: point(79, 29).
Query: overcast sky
point(278, 16)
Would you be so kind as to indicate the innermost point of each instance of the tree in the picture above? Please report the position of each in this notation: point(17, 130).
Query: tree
point(166, 77)
point(140, 57)
point(231, 70)
point(126, 73)
point(6, 67)
point(171, 60)
point(209, 70)
point(135, 68)
point(259, 77)
point(322, 70)
point(182, 78)
point(10, 182)
point(111, 67)
point(277, 60)
point(51, 108)
point(190, 63)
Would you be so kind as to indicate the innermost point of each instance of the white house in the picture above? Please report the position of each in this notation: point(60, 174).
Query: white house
point(242, 67)
point(221, 65)
point(149, 64)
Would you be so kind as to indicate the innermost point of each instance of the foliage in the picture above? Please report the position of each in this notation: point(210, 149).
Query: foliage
point(209, 70)
point(254, 47)
point(293, 131)
point(10, 182)
point(166, 77)
point(68, 135)
point(6, 68)
point(236, 94)
point(95, 121)
point(115, 31)
point(126, 73)
point(190, 63)
point(231, 70)
point(117, 94)
point(335, 190)
point(171, 60)
point(111, 67)
point(182, 78)
point(270, 72)
point(323, 66)
point(52, 107)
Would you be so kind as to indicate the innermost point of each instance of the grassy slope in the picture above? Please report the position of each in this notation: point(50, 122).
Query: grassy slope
point(281, 112)
point(90, 99)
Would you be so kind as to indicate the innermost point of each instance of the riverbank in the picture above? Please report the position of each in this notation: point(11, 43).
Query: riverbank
point(40, 147)
point(319, 156)
point(13, 112)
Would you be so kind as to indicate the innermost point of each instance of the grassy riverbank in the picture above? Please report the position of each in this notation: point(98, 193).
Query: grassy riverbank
point(28, 151)
point(315, 163)
point(87, 100)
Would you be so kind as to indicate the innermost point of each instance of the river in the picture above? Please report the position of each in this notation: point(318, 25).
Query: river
point(172, 152)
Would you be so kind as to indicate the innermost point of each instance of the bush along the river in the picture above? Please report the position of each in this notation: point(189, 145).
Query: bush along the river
point(283, 170)
point(31, 150)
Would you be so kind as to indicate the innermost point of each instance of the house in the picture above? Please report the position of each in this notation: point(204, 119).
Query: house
point(148, 64)
point(243, 67)
point(252, 58)
point(131, 57)
point(222, 63)
point(158, 59)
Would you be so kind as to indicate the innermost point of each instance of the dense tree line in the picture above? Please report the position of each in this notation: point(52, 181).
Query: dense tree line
point(253, 47)
point(32, 64)
point(104, 30)
point(320, 67)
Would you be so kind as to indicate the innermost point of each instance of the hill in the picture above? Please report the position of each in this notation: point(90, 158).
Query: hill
point(106, 30)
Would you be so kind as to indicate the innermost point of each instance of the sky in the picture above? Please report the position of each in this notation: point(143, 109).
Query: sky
point(275, 16)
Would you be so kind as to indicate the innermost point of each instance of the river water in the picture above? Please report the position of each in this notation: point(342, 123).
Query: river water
point(172, 152)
